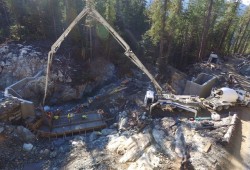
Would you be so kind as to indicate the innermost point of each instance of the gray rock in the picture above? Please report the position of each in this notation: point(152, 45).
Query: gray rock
point(4, 50)
point(46, 108)
point(93, 136)
point(165, 143)
point(46, 151)
point(59, 142)
point(27, 146)
point(25, 134)
point(180, 144)
point(53, 154)
point(134, 147)
point(61, 149)
point(86, 104)
point(77, 143)
point(80, 138)
point(27, 62)
point(115, 125)
point(123, 123)
point(106, 132)
point(9, 129)
point(148, 160)
point(1, 129)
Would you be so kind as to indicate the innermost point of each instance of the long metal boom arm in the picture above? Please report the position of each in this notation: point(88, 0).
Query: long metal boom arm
point(128, 52)
point(57, 44)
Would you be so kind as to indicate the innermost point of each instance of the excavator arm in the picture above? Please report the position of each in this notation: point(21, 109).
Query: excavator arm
point(89, 10)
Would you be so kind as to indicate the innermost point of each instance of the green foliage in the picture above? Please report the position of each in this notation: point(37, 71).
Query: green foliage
point(131, 16)
point(174, 25)
point(155, 14)
point(228, 32)
point(17, 32)
point(110, 13)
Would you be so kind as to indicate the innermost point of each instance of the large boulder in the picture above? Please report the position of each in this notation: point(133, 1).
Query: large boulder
point(165, 142)
point(130, 148)
point(25, 134)
point(180, 145)
point(17, 62)
point(148, 161)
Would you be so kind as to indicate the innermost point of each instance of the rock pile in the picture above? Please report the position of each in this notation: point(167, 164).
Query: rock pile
point(69, 79)
point(19, 61)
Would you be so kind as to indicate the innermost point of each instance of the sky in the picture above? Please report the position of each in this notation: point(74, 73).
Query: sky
point(246, 2)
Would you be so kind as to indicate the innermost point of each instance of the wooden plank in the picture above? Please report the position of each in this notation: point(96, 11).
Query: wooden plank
point(207, 147)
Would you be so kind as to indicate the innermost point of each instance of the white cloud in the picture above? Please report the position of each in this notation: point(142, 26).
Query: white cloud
point(246, 2)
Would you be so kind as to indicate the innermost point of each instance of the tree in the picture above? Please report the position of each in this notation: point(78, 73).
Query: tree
point(4, 21)
point(206, 26)
point(241, 31)
point(230, 16)
point(157, 14)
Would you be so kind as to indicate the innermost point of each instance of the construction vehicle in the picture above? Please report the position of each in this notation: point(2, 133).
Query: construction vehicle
point(225, 97)
point(164, 101)
point(90, 12)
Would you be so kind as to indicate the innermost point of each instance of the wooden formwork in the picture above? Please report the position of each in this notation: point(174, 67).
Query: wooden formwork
point(63, 127)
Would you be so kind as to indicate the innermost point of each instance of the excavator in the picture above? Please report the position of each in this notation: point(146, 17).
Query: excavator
point(151, 99)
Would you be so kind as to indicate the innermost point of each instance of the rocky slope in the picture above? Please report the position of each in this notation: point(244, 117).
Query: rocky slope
point(69, 80)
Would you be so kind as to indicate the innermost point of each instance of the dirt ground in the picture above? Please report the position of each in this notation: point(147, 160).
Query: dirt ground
point(240, 146)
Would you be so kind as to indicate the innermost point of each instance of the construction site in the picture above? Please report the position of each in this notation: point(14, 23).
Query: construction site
point(59, 113)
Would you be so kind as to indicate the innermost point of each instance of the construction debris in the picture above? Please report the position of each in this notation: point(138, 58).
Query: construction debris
point(227, 137)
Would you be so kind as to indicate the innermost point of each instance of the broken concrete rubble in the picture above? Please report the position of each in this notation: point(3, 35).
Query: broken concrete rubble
point(134, 147)
point(165, 142)
point(227, 137)
point(180, 145)
point(148, 160)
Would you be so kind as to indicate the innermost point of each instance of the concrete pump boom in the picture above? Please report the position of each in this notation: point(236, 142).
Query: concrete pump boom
point(89, 10)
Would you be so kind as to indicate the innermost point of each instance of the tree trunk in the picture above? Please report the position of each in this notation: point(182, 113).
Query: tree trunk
point(53, 17)
point(243, 35)
point(162, 40)
point(244, 44)
point(5, 13)
point(184, 48)
point(203, 45)
point(237, 39)
point(226, 28)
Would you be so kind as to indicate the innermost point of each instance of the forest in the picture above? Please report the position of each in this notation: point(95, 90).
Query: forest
point(75, 95)
point(174, 32)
